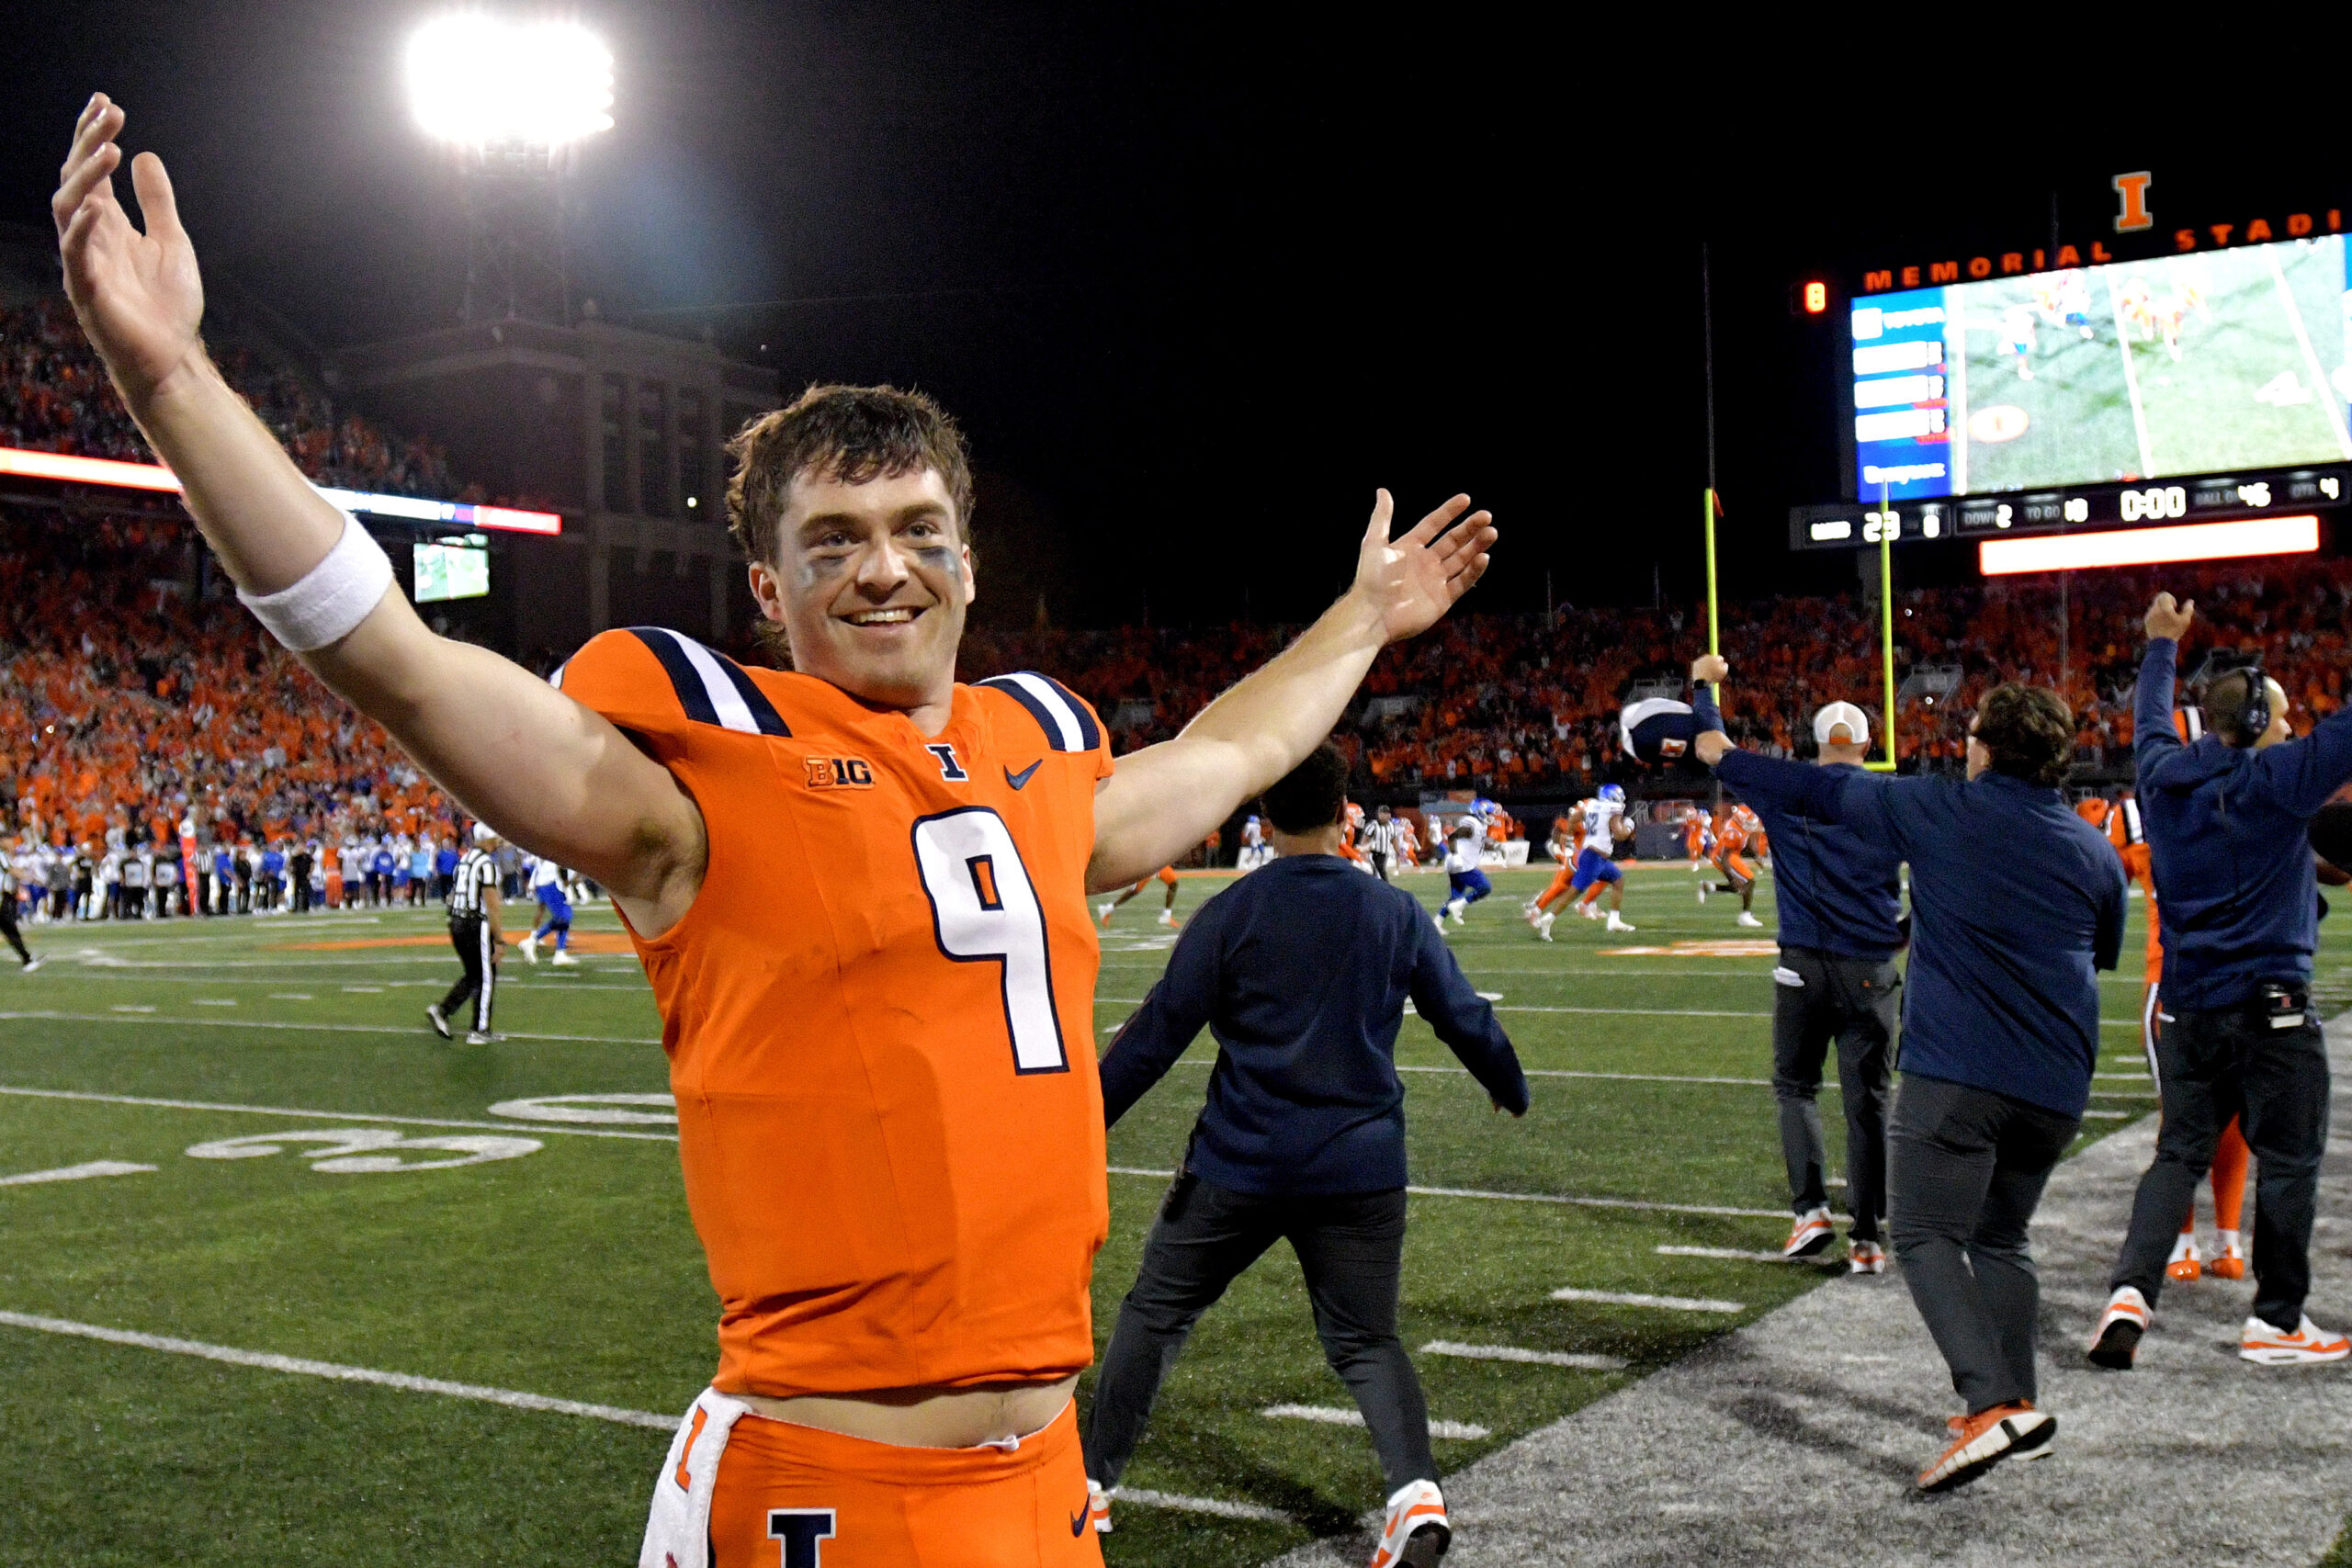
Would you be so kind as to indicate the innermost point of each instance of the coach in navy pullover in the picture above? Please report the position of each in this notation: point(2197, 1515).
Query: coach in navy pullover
point(1301, 971)
point(1834, 892)
point(2235, 889)
point(2016, 900)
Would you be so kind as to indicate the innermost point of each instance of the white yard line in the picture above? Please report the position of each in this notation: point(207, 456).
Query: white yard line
point(1215, 1507)
point(2131, 380)
point(321, 1028)
point(1578, 1359)
point(1734, 1255)
point(269, 1361)
point(1636, 1299)
point(1643, 1204)
point(1331, 1415)
point(2322, 388)
point(329, 1115)
point(76, 1172)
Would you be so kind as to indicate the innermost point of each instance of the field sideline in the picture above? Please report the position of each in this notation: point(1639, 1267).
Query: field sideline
point(565, 1271)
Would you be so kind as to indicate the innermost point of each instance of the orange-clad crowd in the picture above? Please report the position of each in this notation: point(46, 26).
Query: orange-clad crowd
point(1518, 703)
point(126, 701)
point(127, 698)
point(54, 396)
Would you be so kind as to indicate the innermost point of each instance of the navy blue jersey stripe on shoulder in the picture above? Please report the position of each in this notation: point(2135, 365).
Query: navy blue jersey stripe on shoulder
point(1087, 730)
point(683, 677)
point(1037, 710)
point(763, 711)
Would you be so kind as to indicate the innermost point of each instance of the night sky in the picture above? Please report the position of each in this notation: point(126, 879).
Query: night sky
point(1195, 286)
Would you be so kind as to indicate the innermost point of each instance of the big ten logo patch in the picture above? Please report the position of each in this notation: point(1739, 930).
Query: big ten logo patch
point(840, 772)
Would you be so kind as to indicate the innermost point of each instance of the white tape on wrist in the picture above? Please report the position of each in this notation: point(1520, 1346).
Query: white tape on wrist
point(332, 599)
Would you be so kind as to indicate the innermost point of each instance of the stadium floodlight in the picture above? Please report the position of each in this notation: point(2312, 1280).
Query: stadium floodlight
point(479, 82)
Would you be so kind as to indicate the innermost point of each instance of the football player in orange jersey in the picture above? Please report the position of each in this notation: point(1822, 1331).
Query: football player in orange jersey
point(1167, 876)
point(858, 889)
point(1350, 829)
point(1562, 847)
point(1739, 830)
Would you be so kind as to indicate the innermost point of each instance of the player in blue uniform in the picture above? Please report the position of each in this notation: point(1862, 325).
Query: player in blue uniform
point(1468, 884)
point(555, 913)
point(1597, 861)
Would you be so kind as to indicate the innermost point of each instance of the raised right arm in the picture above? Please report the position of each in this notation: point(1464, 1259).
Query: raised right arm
point(544, 771)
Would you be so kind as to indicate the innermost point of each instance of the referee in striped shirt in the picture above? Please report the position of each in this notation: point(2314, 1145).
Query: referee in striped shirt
point(474, 930)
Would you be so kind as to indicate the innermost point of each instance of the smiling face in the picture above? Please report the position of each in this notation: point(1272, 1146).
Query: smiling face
point(870, 581)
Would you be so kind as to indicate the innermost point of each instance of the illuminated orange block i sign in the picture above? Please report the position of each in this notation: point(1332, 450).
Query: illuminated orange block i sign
point(2133, 190)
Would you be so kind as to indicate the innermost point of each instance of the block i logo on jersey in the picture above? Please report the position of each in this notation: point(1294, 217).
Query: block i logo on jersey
point(840, 772)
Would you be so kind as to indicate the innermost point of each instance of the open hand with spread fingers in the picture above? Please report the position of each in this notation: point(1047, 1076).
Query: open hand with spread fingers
point(1410, 582)
point(138, 295)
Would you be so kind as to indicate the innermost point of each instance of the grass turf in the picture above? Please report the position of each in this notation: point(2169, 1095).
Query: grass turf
point(571, 1271)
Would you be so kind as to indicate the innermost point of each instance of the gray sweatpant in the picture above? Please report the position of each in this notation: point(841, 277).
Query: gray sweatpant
point(1817, 998)
point(1965, 1170)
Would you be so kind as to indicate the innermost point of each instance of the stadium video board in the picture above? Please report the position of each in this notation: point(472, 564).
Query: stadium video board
point(451, 572)
point(2213, 362)
point(2161, 389)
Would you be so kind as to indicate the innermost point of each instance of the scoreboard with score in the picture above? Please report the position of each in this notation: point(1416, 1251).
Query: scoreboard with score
point(2080, 509)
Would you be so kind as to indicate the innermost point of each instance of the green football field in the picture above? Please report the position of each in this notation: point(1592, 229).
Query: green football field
point(554, 1260)
point(2252, 387)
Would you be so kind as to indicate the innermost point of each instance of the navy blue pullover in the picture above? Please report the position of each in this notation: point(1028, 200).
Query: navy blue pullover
point(1301, 971)
point(2235, 891)
point(1835, 892)
point(2014, 901)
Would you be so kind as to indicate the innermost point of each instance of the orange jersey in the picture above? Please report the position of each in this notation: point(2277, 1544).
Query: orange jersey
point(1740, 828)
point(891, 961)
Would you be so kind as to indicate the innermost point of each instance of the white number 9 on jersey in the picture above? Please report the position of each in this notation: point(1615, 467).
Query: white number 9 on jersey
point(984, 909)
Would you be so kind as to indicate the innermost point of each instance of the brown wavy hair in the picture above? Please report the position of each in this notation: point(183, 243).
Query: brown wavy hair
point(2029, 731)
point(850, 434)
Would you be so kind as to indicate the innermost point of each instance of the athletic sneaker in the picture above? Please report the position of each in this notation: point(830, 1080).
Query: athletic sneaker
point(1102, 913)
point(1703, 892)
point(2308, 1345)
point(478, 1037)
point(1098, 1508)
point(1812, 1234)
point(1439, 921)
point(2229, 1260)
point(1455, 910)
point(1983, 1441)
point(1616, 924)
point(564, 960)
point(31, 963)
point(440, 1022)
point(2116, 1340)
point(1415, 1533)
point(2184, 1265)
point(1543, 925)
point(1590, 911)
point(530, 946)
point(1746, 918)
point(1168, 918)
point(1865, 1257)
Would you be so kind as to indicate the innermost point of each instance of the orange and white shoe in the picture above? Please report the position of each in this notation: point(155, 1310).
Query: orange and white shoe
point(2309, 1345)
point(2228, 1258)
point(1103, 914)
point(2116, 1340)
point(1098, 1508)
point(1865, 1257)
point(2184, 1264)
point(1812, 1233)
point(1983, 1441)
point(1415, 1533)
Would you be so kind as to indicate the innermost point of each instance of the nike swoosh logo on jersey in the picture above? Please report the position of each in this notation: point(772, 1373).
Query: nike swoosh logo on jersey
point(1017, 780)
point(1077, 1520)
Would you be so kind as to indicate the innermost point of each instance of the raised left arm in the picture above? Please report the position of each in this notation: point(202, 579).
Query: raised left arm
point(1163, 799)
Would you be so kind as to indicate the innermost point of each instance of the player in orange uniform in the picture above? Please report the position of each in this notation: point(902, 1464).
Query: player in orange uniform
point(1740, 831)
point(1562, 846)
point(1167, 876)
point(1698, 837)
point(1350, 829)
point(858, 890)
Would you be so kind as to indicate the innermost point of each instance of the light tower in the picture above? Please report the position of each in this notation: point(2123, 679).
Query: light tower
point(512, 100)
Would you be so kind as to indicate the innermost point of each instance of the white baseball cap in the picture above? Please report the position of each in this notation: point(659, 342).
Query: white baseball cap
point(1856, 723)
point(484, 832)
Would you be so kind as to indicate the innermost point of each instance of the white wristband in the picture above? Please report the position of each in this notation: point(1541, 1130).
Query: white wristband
point(332, 599)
